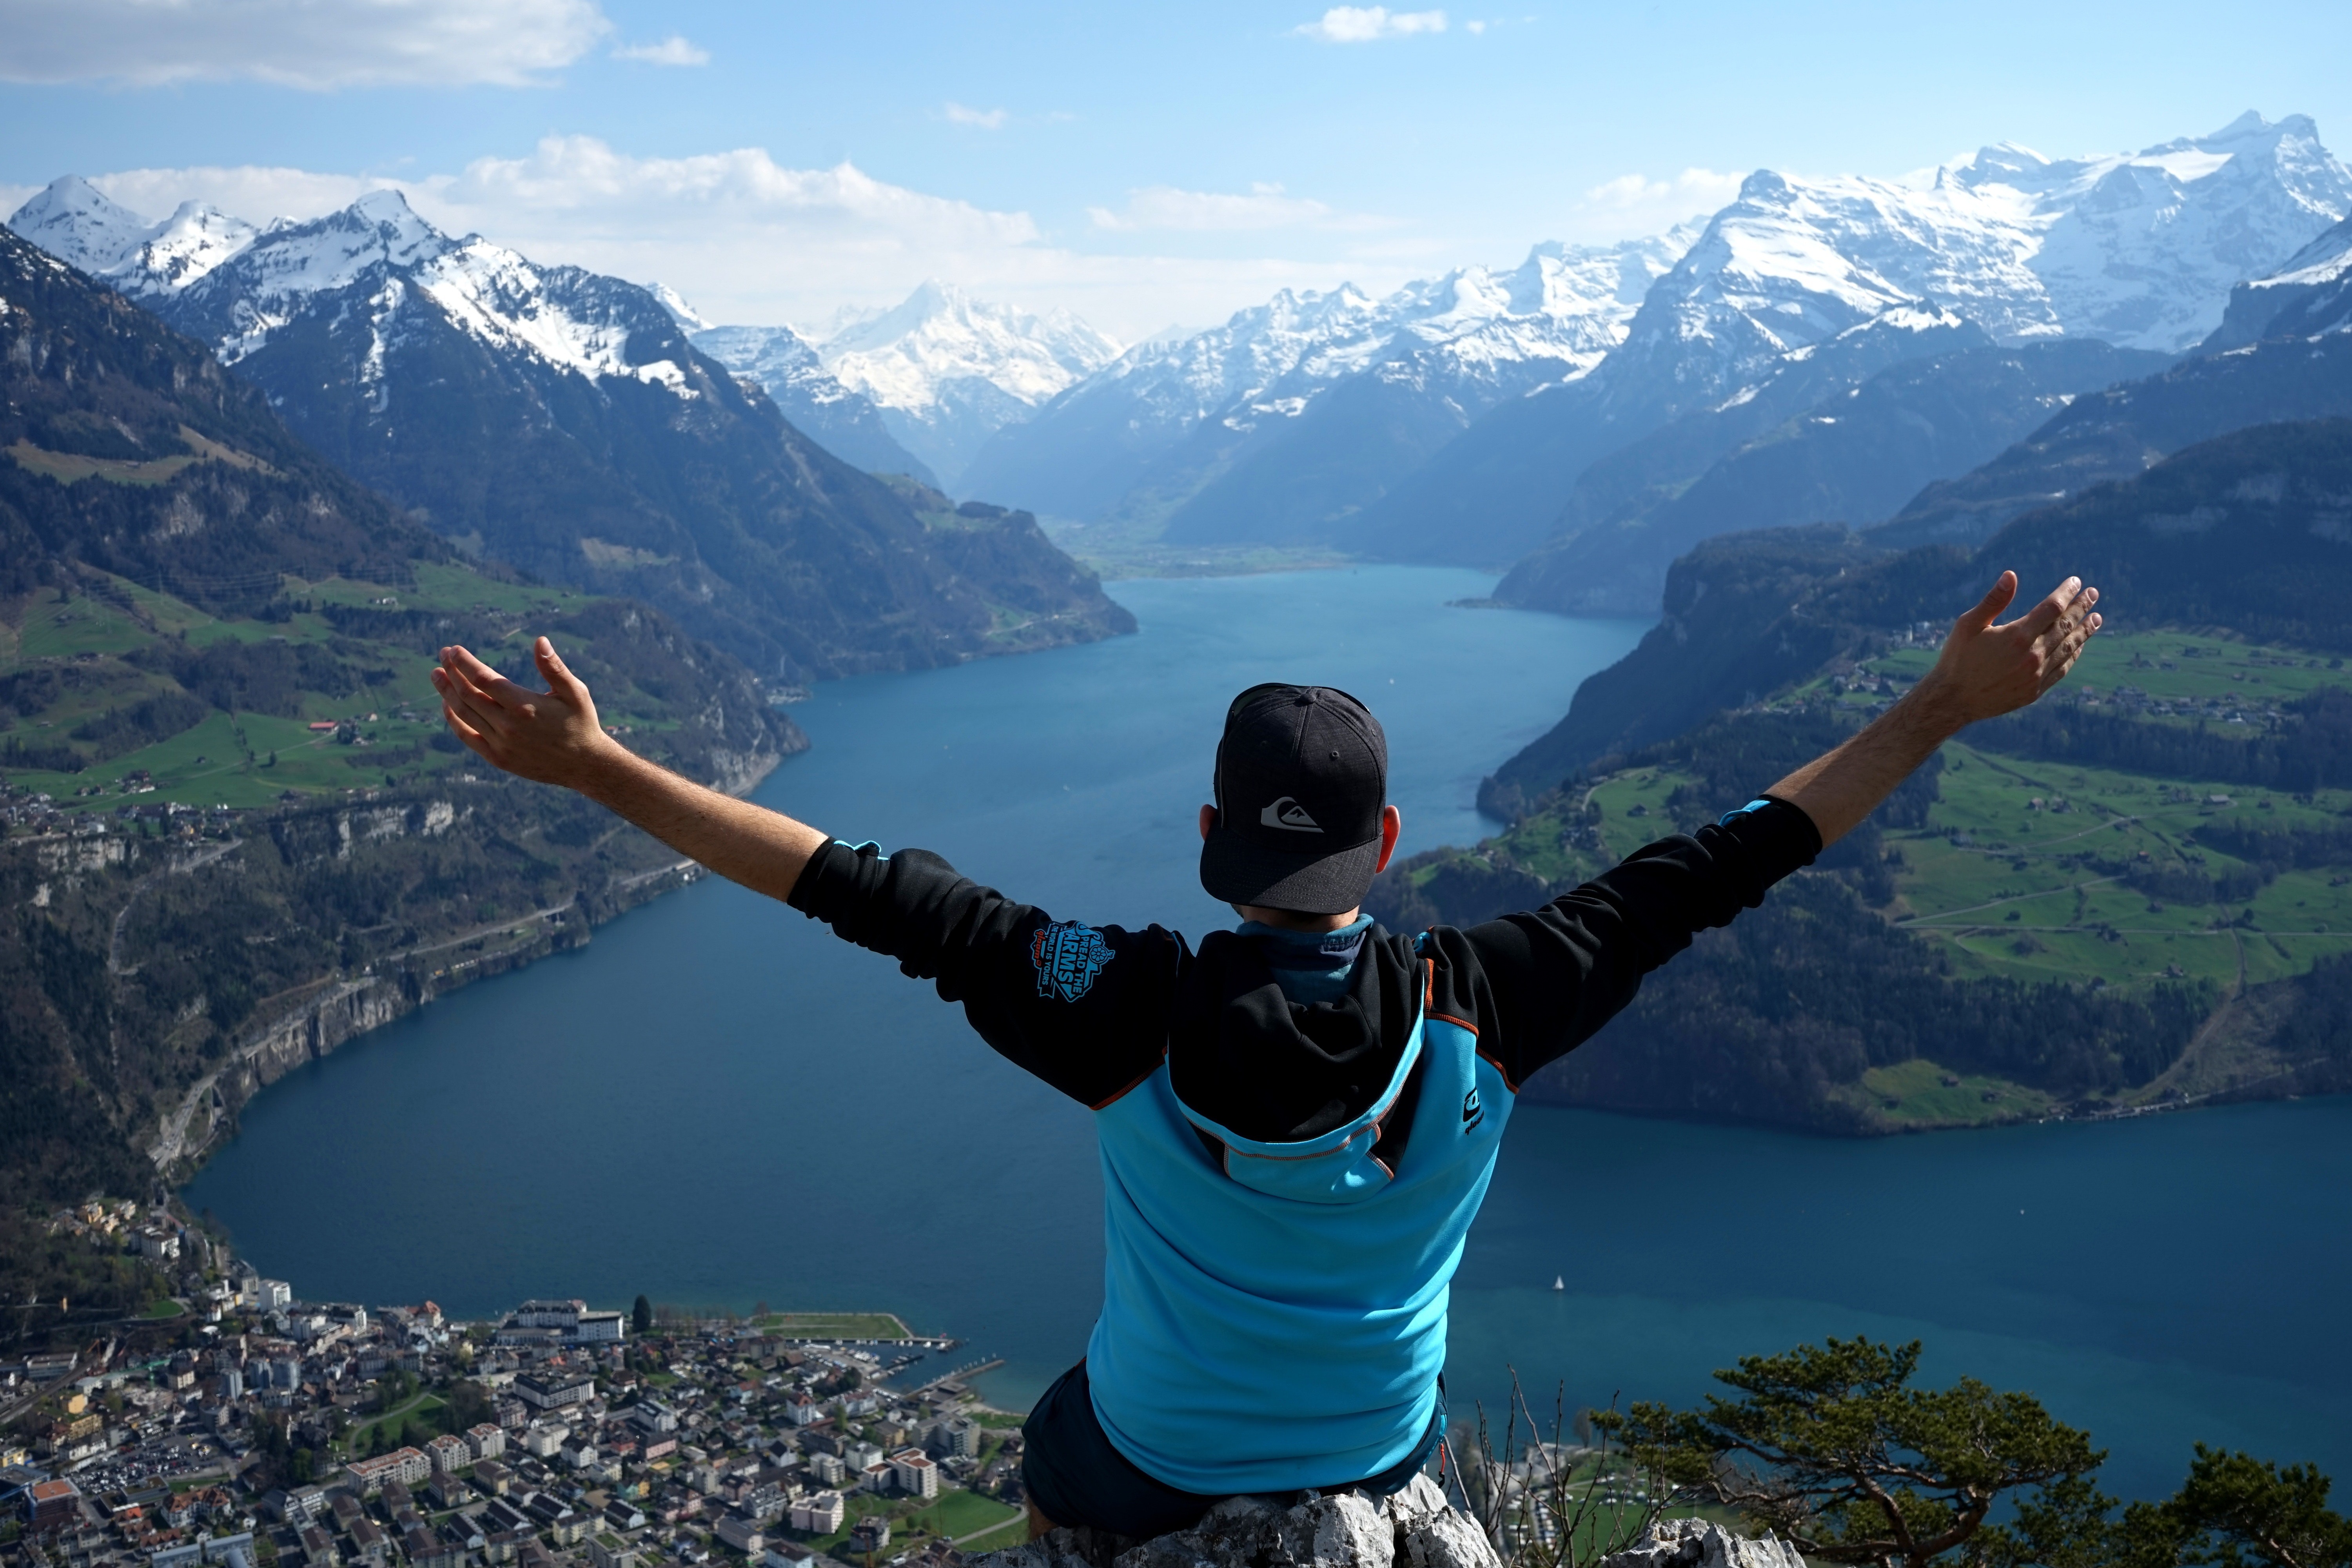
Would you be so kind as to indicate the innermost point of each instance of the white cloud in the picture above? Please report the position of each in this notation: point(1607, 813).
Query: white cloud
point(1636, 204)
point(985, 118)
point(1626, 192)
point(1363, 24)
point(583, 178)
point(313, 44)
point(673, 50)
point(1166, 207)
point(253, 191)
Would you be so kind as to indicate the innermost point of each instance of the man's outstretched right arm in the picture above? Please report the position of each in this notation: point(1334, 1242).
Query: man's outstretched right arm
point(553, 737)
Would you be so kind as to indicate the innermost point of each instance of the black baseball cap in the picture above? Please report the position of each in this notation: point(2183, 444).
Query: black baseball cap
point(1302, 775)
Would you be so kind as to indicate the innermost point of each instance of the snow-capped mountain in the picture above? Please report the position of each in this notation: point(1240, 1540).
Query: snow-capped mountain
point(234, 285)
point(948, 371)
point(561, 420)
point(787, 369)
point(2282, 354)
point(1175, 429)
point(72, 220)
point(2139, 250)
point(2309, 295)
point(684, 314)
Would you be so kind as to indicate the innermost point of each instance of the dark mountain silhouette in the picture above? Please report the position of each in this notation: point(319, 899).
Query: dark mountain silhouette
point(1826, 447)
point(2122, 431)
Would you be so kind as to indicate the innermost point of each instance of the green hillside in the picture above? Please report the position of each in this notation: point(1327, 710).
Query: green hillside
point(115, 693)
point(2137, 892)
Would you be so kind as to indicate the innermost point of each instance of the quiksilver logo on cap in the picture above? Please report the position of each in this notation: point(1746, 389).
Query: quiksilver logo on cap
point(1289, 814)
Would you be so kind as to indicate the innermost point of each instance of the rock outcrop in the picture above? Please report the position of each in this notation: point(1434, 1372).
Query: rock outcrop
point(1412, 1529)
point(1702, 1544)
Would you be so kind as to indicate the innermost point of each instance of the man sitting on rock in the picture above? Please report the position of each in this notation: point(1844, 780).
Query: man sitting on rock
point(1298, 1119)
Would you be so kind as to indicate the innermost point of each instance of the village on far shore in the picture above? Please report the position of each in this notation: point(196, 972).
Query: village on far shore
point(239, 1425)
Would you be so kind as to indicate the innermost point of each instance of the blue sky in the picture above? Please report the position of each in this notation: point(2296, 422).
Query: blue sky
point(1143, 165)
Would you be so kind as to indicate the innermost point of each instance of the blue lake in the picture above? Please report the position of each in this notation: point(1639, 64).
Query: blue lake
point(718, 1103)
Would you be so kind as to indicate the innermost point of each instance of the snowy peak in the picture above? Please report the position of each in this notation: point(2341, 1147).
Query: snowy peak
point(75, 222)
point(2138, 249)
point(775, 357)
point(684, 314)
point(786, 366)
point(184, 248)
point(1565, 306)
point(947, 372)
point(235, 284)
point(380, 229)
point(2288, 149)
point(903, 358)
point(569, 318)
point(241, 298)
point(1571, 278)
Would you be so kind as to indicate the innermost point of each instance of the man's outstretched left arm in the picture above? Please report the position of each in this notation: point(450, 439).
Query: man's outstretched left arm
point(553, 737)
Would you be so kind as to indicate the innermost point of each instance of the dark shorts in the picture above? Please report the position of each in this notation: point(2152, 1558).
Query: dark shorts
point(1075, 1477)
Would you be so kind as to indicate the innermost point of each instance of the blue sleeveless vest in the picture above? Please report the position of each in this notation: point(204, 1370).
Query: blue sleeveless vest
point(1288, 1300)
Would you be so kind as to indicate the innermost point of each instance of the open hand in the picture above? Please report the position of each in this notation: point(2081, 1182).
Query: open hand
point(1987, 670)
point(550, 736)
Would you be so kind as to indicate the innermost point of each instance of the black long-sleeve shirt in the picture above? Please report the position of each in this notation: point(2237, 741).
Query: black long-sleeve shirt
point(1094, 1011)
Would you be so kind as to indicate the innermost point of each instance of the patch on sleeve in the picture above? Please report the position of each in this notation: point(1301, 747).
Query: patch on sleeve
point(1068, 956)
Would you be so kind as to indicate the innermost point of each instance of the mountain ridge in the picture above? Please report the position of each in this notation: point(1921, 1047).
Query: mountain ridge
point(1143, 443)
point(1856, 456)
point(2195, 540)
point(563, 422)
point(2023, 246)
